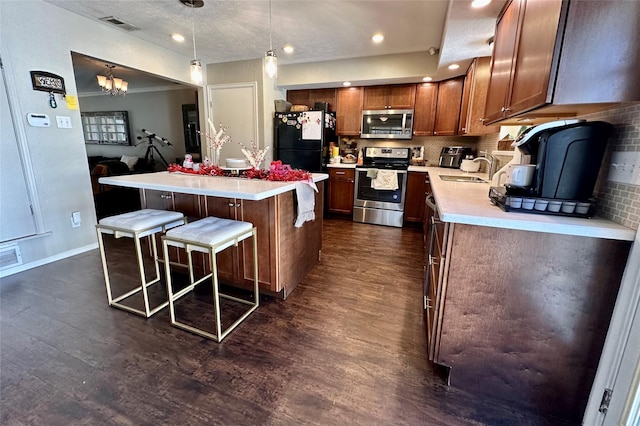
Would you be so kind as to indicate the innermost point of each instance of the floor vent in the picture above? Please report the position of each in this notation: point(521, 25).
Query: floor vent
point(10, 256)
point(119, 23)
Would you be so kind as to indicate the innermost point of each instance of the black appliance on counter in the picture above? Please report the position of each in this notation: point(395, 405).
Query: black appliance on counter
point(568, 155)
point(300, 138)
point(376, 204)
point(452, 156)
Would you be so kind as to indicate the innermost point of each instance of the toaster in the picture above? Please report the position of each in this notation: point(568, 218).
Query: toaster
point(452, 156)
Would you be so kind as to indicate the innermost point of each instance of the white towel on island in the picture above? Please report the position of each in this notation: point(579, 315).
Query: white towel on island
point(385, 180)
point(305, 193)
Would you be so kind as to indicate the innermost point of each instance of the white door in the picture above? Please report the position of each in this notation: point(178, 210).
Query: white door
point(17, 217)
point(235, 106)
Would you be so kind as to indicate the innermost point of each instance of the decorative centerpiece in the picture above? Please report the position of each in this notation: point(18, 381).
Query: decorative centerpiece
point(255, 155)
point(216, 139)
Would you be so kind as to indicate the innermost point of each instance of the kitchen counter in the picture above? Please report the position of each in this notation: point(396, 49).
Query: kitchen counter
point(214, 186)
point(468, 203)
point(285, 253)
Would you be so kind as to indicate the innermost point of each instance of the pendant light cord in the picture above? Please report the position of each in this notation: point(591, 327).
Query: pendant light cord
point(270, 45)
point(193, 30)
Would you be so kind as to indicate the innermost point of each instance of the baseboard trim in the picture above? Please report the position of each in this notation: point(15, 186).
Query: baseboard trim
point(26, 266)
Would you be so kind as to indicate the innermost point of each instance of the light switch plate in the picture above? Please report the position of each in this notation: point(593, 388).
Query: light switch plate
point(64, 122)
point(625, 167)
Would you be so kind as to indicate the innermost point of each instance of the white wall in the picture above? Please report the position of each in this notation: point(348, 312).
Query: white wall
point(159, 112)
point(38, 36)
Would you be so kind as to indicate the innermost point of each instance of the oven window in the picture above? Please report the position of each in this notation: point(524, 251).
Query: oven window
point(367, 193)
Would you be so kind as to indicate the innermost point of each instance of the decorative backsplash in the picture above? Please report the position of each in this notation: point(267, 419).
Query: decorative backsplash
point(619, 202)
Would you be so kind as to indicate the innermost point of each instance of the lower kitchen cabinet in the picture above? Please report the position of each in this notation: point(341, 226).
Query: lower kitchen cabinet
point(285, 253)
point(418, 186)
point(520, 317)
point(340, 192)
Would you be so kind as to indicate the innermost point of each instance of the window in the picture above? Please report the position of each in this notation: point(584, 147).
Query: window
point(106, 127)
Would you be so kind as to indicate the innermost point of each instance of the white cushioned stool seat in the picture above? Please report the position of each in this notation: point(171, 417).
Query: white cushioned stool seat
point(150, 221)
point(210, 235)
point(210, 231)
point(137, 225)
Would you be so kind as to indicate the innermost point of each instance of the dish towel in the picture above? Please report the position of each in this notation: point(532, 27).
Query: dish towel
point(385, 180)
point(305, 193)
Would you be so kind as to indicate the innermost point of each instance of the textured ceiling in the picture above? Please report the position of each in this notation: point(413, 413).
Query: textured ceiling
point(233, 30)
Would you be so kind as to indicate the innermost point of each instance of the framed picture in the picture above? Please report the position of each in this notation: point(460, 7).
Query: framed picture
point(106, 127)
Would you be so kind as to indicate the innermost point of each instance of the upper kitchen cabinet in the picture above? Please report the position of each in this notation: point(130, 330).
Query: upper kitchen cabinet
point(349, 111)
point(448, 107)
point(474, 95)
point(424, 116)
point(397, 96)
point(309, 97)
point(551, 60)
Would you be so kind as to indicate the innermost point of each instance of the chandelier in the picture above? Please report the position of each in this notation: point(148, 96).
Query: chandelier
point(111, 85)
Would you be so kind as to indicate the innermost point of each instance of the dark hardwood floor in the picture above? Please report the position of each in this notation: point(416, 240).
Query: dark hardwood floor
point(346, 347)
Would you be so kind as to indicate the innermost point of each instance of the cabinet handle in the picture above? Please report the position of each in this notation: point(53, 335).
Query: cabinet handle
point(482, 120)
point(507, 109)
point(166, 196)
point(237, 204)
point(464, 129)
point(231, 205)
point(340, 173)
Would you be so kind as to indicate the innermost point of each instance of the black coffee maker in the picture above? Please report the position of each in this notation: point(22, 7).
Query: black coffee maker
point(567, 155)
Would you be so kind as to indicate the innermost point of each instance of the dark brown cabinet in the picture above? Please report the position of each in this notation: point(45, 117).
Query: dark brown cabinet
point(349, 111)
point(474, 96)
point(418, 186)
point(400, 96)
point(340, 192)
point(309, 97)
point(424, 116)
point(448, 107)
point(551, 60)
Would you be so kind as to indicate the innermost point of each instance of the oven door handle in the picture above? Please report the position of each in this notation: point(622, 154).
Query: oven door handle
point(362, 169)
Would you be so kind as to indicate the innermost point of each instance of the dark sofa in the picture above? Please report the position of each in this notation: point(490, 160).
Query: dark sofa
point(110, 200)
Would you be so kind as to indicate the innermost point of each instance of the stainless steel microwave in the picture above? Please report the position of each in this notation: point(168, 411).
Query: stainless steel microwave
point(387, 124)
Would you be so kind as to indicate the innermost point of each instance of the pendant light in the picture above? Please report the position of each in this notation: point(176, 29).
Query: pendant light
point(270, 58)
point(195, 64)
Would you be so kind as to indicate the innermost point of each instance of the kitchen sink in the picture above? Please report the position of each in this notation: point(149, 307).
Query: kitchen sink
point(462, 178)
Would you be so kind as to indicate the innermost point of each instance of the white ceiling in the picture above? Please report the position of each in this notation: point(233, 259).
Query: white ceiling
point(231, 30)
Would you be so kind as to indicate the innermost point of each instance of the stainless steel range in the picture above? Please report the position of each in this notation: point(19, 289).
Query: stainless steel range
point(381, 183)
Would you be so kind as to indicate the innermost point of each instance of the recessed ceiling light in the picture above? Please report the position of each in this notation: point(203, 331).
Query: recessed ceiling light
point(480, 3)
point(377, 38)
point(346, 83)
point(178, 37)
point(427, 79)
point(288, 49)
point(453, 66)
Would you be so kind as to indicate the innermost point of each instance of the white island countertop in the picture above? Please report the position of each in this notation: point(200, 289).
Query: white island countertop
point(215, 186)
point(468, 203)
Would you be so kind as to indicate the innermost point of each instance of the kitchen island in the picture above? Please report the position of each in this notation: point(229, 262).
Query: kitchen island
point(285, 253)
point(517, 305)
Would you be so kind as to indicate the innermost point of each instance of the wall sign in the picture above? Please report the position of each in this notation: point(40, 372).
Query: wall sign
point(47, 82)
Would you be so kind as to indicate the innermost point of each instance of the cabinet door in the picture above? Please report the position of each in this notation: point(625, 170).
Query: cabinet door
point(227, 260)
point(349, 111)
point(323, 95)
point(401, 96)
point(474, 97)
point(535, 48)
point(375, 97)
point(502, 62)
point(298, 97)
point(448, 107)
point(417, 188)
point(340, 192)
point(425, 109)
point(261, 214)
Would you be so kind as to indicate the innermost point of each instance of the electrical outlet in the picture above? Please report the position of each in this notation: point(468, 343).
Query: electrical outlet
point(64, 122)
point(625, 167)
point(76, 219)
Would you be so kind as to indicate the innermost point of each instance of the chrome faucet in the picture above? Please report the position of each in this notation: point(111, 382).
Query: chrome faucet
point(491, 160)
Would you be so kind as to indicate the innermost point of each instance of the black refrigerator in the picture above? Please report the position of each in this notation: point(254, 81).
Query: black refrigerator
point(300, 138)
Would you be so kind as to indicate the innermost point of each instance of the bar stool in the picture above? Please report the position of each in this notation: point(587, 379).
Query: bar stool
point(137, 225)
point(210, 235)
